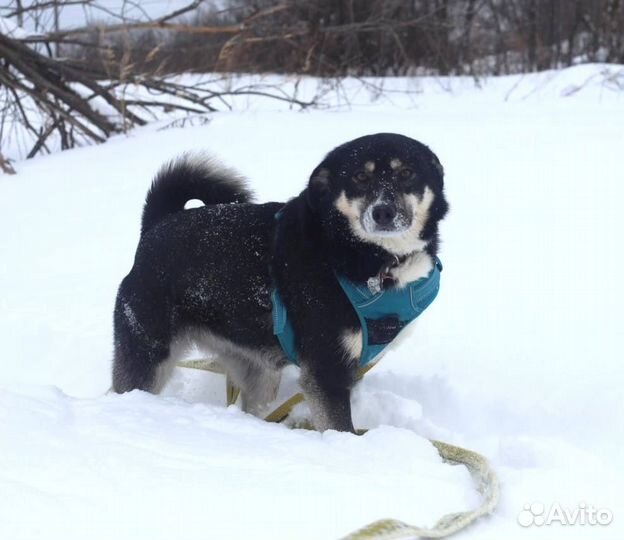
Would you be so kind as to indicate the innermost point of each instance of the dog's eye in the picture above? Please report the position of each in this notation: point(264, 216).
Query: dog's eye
point(406, 173)
point(361, 176)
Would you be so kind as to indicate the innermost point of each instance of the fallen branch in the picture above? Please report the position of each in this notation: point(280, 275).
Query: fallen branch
point(5, 166)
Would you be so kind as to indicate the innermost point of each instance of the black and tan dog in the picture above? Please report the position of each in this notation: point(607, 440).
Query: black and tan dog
point(205, 275)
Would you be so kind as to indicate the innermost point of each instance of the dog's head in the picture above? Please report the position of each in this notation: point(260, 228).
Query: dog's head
point(389, 189)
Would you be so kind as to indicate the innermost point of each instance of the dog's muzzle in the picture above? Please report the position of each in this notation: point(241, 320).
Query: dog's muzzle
point(383, 214)
point(384, 218)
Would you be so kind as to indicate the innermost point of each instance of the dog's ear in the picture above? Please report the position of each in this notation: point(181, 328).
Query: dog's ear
point(437, 165)
point(439, 208)
point(318, 186)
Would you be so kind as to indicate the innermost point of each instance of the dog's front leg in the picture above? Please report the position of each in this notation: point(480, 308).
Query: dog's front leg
point(329, 400)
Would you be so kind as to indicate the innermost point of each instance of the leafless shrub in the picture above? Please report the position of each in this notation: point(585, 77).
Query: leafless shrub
point(357, 37)
point(82, 84)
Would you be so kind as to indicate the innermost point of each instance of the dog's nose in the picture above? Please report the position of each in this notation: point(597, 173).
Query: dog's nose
point(384, 213)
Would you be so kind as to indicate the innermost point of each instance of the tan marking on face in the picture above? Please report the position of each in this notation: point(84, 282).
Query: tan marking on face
point(420, 208)
point(404, 242)
point(351, 208)
point(369, 166)
point(395, 163)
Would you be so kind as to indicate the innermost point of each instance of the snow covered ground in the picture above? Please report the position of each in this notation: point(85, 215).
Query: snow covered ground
point(519, 358)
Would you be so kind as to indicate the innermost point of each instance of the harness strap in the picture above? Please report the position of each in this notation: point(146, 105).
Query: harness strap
point(381, 315)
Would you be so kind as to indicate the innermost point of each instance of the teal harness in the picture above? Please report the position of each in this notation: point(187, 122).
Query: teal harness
point(382, 314)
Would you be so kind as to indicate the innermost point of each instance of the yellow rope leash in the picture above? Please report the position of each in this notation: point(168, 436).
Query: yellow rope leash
point(392, 529)
point(487, 484)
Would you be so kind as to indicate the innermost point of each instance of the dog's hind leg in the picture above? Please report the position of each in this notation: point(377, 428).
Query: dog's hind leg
point(258, 384)
point(142, 354)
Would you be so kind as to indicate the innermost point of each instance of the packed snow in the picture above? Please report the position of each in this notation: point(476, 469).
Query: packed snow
point(519, 358)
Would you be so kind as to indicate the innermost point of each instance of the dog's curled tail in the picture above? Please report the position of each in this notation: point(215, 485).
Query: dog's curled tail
point(191, 176)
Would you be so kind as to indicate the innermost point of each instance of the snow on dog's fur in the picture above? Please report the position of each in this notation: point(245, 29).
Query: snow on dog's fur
point(206, 274)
